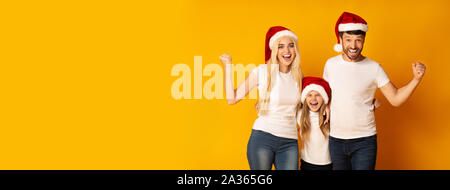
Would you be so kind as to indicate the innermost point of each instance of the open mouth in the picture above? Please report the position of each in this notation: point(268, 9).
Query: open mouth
point(353, 51)
point(314, 105)
point(287, 57)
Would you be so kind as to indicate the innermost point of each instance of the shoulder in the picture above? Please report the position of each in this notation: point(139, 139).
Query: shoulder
point(260, 69)
point(373, 63)
point(260, 73)
point(333, 60)
point(370, 61)
point(332, 63)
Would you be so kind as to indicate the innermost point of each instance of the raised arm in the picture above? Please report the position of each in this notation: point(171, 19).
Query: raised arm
point(397, 96)
point(235, 95)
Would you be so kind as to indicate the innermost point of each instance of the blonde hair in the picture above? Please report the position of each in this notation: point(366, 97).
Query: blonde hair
point(272, 68)
point(305, 123)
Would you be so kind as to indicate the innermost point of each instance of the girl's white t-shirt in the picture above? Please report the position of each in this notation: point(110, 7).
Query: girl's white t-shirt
point(280, 119)
point(315, 150)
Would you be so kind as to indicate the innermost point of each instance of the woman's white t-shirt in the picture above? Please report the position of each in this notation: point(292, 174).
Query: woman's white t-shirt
point(280, 119)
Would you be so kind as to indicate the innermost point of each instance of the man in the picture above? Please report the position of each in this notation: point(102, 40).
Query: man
point(353, 79)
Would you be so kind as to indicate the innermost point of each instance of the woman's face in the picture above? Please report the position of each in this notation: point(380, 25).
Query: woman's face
point(286, 50)
point(314, 100)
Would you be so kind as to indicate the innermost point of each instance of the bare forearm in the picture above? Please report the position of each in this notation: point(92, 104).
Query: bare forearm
point(235, 95)
point(399, 96)
point(405, 92)
point(230, 92)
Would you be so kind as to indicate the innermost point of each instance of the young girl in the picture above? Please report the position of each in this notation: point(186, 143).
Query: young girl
point(274, 136)
point(313, 131)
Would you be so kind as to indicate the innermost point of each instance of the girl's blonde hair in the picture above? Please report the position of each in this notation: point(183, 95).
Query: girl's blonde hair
point(272, 69)
point(305, 122)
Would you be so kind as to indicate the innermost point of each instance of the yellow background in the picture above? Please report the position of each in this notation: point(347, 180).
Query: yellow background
point(87, 84)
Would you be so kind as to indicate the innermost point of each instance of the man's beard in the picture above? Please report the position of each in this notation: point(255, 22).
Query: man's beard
point(356, 57)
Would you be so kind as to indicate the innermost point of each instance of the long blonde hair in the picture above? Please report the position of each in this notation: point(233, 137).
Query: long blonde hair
point(305, 122)
point(295, 69)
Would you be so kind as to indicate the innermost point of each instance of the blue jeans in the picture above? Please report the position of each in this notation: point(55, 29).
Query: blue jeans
point(265, 149)
point(353, 154)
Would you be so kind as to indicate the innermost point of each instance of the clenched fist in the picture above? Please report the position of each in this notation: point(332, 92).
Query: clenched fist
point(225, 59)
point(418, 70)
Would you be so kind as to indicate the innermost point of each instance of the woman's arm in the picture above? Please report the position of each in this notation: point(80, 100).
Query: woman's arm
point(235, 95)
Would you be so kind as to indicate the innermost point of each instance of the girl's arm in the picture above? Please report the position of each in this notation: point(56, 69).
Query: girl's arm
point(235, 95)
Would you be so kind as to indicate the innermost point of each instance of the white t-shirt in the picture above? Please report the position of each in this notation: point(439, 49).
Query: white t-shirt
point(353, 86)
point(315, 150)
point(280, 119)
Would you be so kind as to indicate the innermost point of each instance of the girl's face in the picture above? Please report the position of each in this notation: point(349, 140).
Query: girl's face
point(286, 50)
point(314, 100)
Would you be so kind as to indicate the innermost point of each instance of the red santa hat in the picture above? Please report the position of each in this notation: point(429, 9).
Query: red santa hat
point(318, 84)
point(347, 22)
point(273, 34)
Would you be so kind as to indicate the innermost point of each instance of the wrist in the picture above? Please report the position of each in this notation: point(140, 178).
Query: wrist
point(417, 79)
point(227, 67)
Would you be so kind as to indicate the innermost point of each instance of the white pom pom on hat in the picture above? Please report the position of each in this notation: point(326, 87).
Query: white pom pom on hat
point(337, 47)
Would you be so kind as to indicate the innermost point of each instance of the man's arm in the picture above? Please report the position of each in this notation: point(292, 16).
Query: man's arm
point(397, 96)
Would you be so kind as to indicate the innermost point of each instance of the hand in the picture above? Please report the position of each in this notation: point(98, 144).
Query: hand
point(225, 59)
point(327, 114)
point(418, 70)
point(376, 103)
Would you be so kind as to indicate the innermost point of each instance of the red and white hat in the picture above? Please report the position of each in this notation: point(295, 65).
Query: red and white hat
point(347, 22)
point(273, 34)
point(318, 84)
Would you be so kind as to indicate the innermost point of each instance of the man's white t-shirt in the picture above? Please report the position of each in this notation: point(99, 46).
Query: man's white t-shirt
point(353, 86)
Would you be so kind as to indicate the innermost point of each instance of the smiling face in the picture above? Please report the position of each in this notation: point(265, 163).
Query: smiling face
point(286, 51)
point(314, 100)
point(352, 45)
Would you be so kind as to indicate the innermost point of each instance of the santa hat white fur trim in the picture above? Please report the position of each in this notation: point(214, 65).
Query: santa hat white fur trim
point(281, 34)
point(317, 88)
point(352, 26)
point(349, 27)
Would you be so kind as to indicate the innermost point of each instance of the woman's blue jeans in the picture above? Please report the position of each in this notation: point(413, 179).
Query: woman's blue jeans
point(265, 149)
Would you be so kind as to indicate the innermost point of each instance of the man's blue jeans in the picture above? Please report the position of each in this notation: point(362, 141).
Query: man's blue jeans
point(353, 154)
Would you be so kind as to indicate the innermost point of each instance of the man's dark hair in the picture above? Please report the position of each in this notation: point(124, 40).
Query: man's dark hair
point(354, 32)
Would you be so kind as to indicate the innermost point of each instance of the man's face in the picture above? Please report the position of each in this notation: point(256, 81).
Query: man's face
point(352, 45)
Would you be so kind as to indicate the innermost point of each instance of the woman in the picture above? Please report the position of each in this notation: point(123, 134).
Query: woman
point(274, 135)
